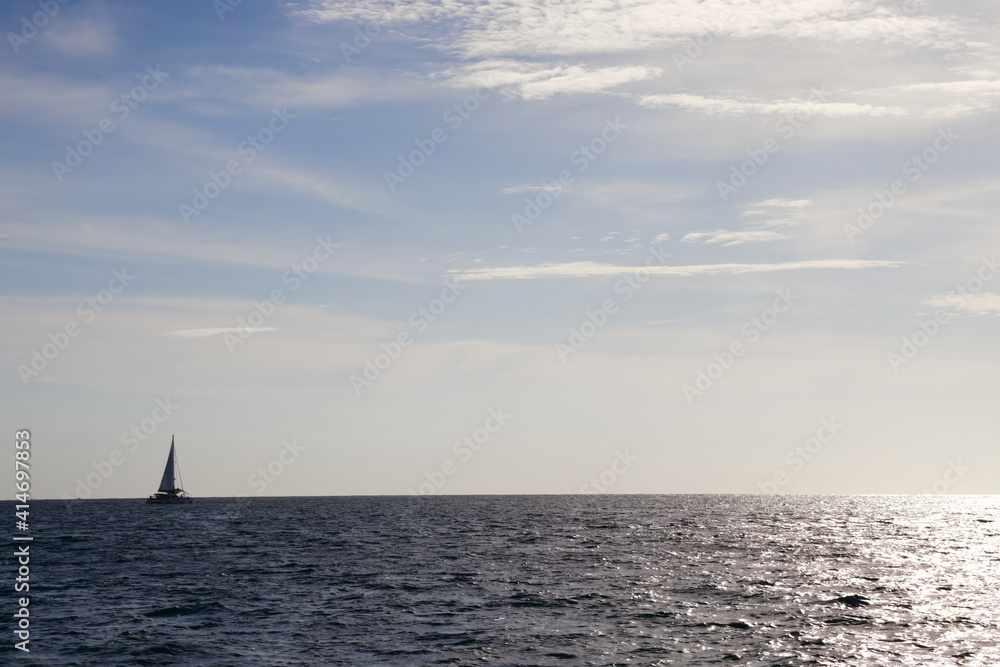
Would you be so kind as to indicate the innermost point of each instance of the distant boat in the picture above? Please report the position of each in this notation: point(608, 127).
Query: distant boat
point(169, 492)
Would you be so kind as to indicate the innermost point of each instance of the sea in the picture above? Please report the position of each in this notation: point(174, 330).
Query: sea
point(513, 580)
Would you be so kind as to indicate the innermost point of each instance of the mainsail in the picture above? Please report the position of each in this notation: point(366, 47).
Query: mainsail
point(170, 493)
point(168, 483)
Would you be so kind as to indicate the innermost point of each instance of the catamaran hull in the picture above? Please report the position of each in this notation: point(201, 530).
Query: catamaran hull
point(175, 500)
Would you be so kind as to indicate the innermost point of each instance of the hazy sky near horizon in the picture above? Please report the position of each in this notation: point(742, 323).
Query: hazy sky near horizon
point(502, 247)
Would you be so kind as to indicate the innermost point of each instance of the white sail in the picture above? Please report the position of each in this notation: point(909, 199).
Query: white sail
point(168, 483)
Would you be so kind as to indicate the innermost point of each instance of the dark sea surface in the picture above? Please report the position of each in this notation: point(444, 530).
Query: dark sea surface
point(515, 580)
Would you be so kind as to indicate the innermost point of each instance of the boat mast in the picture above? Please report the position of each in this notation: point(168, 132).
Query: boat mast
point(177, 466)
point(168, 483)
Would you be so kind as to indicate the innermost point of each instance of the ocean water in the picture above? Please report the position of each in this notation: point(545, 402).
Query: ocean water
point(516, 580)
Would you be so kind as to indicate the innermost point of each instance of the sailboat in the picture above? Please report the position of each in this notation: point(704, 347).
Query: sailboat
point(169, 492)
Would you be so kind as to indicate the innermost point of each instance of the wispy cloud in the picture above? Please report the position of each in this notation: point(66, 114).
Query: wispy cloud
point(40, 96)
point(961, 87)
point(984, 303)
point(759, 221)
point(518, 189)
point(533, 81)
point(785, 203)
point(598, 270)
point(728, 238)
point(202, 333)
point(549, 27)
point(266, 86)
point(91, 33)
point(741, 106)
point(540, 49)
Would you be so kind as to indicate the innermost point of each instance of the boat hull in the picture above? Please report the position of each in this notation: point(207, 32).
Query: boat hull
point(169, 500)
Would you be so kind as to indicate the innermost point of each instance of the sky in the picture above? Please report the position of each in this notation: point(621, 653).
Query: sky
point(501, 247)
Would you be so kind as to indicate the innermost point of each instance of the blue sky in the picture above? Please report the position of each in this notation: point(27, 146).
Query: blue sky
point(674, 247)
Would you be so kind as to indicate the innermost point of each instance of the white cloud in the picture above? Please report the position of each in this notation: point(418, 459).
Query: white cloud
point(518, 189)
point(533, 81)
point(536, 49)
point(597, 270)
point(202, 333)
point(490, 28)
point(729, 238)
point(785, 203)
point(968, 87)
point(984, 303)
point(741, 106)
point(758, 225)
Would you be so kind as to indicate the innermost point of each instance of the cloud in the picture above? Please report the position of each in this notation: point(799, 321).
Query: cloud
point(785, 203)
point(659, 238)
point(968, 87)
point(984, 303)
point(542, 48)
point(534, 81)
point(741, 106)
point(778, 212)
point(518, 189)
point(134, 240)
point(266, 87)
point(937, 101)
point(37, 96)
point(92, 34)
point(728, 238)
point(756, 227)
point(598, 270)
point(489, 28)
point(201, 333)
